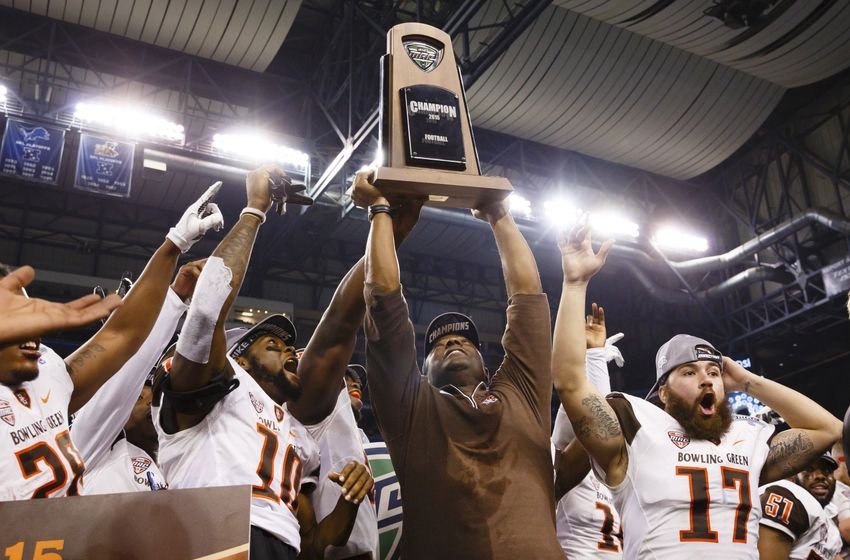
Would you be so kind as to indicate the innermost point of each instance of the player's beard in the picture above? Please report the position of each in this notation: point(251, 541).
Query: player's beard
point(696, 425)
point(264, 375)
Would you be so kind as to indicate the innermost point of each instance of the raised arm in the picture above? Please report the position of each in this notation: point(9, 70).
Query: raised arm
point(600, 350)
point(813, 428)
point(97, 424)
point(202, 348)
point(381, 261)
point(390, 343)
point(27, 318)
point(128, 327)
point(323, 363)
point(518, 265)
point(593, 420)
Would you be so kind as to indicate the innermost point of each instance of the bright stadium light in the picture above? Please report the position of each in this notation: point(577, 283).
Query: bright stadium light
point(519, 205)
point(3, 92)
point(560, 212)
point(258, 147)
point(671, 237)
point(130, 120)
point(610, 223)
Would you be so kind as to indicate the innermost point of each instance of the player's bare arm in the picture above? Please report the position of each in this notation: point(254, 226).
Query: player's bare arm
point(813, 428)
point(773, 544)
point(355, 483)
point(518, 265)
point(594, 421)
point(125, 331)
point(323, 362)
point(217, 288)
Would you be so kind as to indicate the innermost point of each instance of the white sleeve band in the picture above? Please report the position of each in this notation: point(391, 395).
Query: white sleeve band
point(562, 433)
point(211, 292)
point(596, 366)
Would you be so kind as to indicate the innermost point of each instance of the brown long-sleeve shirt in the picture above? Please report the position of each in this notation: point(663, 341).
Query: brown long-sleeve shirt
point(476, 479)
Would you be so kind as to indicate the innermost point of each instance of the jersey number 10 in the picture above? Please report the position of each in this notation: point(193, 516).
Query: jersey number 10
point(291, 471)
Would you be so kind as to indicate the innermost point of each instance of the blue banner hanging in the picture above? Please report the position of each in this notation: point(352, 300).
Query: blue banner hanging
point(31, 151)
point(104, 165)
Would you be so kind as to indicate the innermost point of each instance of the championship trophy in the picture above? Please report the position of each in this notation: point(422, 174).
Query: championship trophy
point(427, 149)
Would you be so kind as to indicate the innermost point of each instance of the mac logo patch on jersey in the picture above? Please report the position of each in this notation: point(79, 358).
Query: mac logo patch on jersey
point(140, 464)
point(278, 413)
point(258, 405)
point(6, 413)
point(490, 399)
point(679, 439)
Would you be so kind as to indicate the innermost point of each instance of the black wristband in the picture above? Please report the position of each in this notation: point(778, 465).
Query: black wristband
point(379, 209)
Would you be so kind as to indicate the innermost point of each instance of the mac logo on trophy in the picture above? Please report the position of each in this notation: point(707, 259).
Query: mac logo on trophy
point(426, 136)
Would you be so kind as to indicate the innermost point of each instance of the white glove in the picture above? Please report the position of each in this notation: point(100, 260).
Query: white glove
point(612, 352)
point(201, 216)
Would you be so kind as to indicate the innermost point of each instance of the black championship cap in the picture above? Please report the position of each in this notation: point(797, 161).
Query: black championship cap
point(679, 350)
point(238, 340)
point(450, 323)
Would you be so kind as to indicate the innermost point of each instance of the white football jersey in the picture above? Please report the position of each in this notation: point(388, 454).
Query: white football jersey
point(37, 458)
point(97, 425)
point(246, 438)
point(588, 523)
point(791, 509)
point(340, 441)
point(840, 504)
point(684, 498)
point(123, 468)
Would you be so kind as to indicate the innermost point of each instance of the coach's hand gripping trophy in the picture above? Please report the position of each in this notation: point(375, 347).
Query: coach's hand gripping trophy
point(427, 149)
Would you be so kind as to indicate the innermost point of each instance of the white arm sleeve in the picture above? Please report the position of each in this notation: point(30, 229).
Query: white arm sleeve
point(596, 369)
point(98, 423)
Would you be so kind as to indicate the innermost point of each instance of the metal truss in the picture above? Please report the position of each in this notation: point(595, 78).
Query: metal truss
point(783, 172)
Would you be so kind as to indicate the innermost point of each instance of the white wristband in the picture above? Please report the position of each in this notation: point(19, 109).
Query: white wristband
point(258, 213)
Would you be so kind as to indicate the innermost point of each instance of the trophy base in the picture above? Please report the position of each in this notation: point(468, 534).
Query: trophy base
point(444, 189)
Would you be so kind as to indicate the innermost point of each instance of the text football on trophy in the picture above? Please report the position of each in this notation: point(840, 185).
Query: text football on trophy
point(426, 135)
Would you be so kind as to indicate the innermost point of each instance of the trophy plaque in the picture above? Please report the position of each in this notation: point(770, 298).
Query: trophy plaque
point(427, 149)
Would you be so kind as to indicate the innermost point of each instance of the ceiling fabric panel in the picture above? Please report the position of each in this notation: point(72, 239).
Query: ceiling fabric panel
point(578, 83)
point(244, 33)
point(794, 44)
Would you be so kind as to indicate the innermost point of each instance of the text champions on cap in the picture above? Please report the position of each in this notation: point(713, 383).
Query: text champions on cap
point(448, 328)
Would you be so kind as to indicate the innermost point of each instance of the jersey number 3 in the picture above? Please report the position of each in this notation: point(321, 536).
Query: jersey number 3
point(700, 529)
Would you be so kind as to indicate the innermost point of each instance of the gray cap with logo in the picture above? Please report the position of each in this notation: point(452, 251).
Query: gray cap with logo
point(679, 350)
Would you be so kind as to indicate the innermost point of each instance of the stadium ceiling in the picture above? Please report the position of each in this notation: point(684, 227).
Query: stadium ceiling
point(244, 34)
point(657, 85)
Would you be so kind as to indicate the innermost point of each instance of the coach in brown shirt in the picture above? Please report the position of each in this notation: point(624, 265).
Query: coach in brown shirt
point(471, 451)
